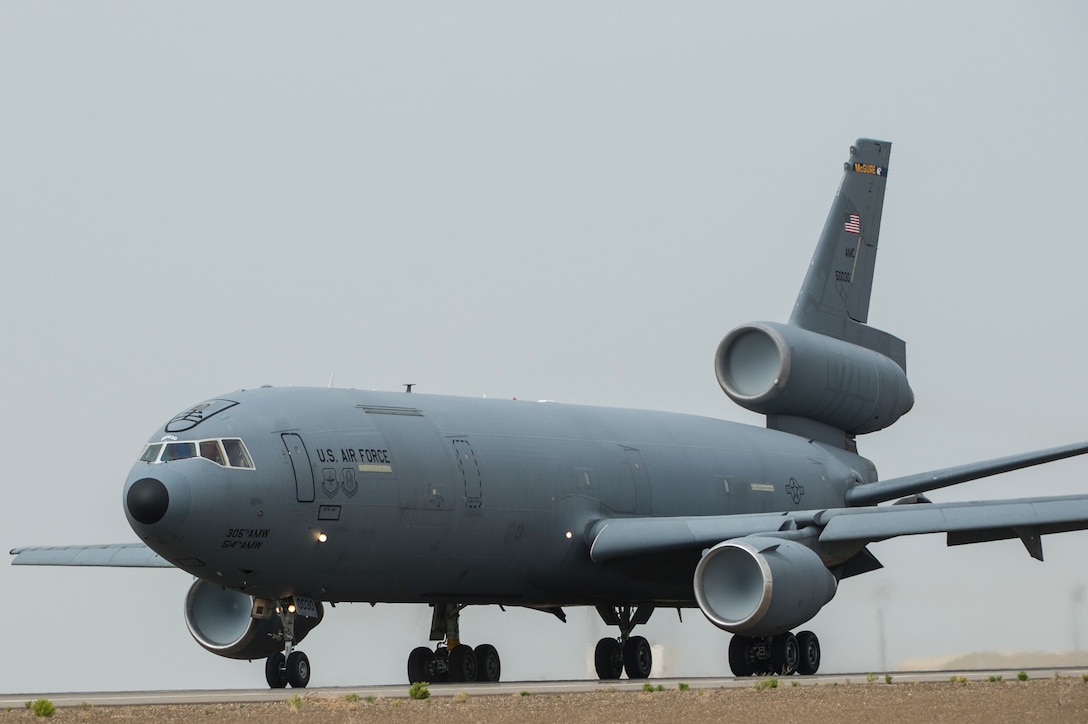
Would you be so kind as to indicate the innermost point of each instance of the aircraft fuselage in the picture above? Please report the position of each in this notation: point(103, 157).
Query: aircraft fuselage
point(388, 497)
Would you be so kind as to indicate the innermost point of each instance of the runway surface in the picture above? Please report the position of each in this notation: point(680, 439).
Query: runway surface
point(393, 691)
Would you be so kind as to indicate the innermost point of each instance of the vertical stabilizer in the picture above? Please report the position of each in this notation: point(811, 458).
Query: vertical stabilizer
point(834, 299)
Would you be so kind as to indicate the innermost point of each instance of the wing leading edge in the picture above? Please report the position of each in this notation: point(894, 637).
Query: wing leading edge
point(976, 522)
point(119, 555)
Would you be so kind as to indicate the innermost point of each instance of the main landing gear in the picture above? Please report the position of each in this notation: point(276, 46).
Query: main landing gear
point(781, 655)
point(627, 653)
point(288, 666)
point(452, 660)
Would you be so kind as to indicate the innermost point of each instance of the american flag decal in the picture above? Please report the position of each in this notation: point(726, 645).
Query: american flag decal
point(853, 224)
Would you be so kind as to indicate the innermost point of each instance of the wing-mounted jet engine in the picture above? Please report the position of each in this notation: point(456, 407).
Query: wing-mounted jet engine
point(238, 626)
point(761, 586)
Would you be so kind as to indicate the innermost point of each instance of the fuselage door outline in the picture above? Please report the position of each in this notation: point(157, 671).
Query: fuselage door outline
point(300, 465)
point(469, 470)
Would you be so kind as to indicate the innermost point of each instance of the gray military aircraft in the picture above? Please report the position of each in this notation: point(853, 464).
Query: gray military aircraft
point(281, 500)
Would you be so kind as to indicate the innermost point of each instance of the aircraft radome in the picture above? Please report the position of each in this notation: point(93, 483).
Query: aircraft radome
point(281, 500)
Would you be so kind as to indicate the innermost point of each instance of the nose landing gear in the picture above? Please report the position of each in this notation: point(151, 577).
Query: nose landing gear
point(288, 666)
point(285, 668)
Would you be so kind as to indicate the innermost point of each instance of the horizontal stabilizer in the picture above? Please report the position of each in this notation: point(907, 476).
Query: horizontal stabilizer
point(120, 555)
point(878, 492)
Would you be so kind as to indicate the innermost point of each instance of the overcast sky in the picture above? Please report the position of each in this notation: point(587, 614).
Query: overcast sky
point(569, 201)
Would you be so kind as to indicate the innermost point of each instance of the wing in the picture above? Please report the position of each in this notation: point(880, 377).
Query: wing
point(1027, 519)
point(884, 490)
point(612, 539)
point(835, 530)
point(120, 555)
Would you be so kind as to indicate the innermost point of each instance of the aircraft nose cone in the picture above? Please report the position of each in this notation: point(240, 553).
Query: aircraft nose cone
point(148, 500)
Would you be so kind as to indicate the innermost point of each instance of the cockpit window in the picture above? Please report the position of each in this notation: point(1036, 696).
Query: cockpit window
point(228, 453)
point(210, 449)
point(151, 452)
point(237, 454)
point(178, 451)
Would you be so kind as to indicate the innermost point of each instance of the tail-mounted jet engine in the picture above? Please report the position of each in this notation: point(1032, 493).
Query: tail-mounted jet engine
point(222, 622)
point(761, 586)
point(778, 369)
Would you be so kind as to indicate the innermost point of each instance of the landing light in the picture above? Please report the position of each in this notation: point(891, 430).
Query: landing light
point(321, 537)
point(291, 608)
point(570, 535)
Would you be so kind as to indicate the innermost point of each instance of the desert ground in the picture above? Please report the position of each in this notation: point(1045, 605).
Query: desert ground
point(1060, 699)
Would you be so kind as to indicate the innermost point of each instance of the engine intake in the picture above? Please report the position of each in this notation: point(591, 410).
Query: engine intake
point(777, 369)
point(761, 586)
point(221, 621)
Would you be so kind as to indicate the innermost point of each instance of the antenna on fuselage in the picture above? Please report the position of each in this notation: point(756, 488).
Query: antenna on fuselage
point(332, 376)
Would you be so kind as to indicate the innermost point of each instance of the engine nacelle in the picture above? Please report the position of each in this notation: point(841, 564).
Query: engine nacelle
point(761, 586)
point(776, 369)
point(221, 621)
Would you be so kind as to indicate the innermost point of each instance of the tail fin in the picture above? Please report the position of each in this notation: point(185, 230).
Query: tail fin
point(834, 299)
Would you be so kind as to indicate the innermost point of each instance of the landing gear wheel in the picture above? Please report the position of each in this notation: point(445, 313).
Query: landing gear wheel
point(487, 663)
point(739, 663)
point(637, 658)
point(419, 664)
point(608, 659)
point(275, 671)
point(785, 654)
point(298, 670)
point(809, 647)
point(463, 664)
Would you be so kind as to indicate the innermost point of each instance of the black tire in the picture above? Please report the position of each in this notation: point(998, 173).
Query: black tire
point(463, 664)
point(739, 663)
point(608, 659)
point(809, 646)
point(785, 654)
point(637, 658)
point(275, 671)
point(298, 670)
point(488, 664)
point(419, 665)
